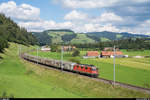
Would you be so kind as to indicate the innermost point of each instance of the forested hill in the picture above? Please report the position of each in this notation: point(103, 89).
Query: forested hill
point(11, 32)
point(107, 36)
point(68, 36)
point(60, 30)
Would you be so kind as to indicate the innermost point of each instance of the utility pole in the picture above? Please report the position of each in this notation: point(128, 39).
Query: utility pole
point(114, 63)
point(62, 51)
point(37, 55)
point(18, 49)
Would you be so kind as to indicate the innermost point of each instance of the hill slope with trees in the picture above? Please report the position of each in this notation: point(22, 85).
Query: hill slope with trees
point(65, 36)
point(11, 32)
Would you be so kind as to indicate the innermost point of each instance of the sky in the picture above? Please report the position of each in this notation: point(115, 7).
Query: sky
point(80, 15)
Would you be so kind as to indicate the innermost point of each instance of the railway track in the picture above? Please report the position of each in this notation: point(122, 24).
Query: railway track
point(124, 85)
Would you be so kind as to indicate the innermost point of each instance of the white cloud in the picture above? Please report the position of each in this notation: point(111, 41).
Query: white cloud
point(20, 12)
point(75, 15)
point(74, 4)
point(107, 18)
point(99, 28)
point(45, 25)
point(87, 3)
point(110, 17)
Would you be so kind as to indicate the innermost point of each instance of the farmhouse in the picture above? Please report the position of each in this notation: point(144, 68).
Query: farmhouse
point(45, 48)
point(108, 54)
point(91, 54)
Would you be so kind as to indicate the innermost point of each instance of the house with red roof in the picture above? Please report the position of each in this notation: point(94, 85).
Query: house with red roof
point(92, 54)
point(108, 54)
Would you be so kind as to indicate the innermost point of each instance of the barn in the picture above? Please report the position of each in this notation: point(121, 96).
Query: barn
point(92, 54)
point(108, 54)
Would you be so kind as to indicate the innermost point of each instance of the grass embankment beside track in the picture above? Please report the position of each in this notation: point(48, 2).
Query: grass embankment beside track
point(133, 71)
point(19, 78)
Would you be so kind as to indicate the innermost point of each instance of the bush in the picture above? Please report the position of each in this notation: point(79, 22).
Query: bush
point(76, 53)
point(74, 60)
point(55, 48)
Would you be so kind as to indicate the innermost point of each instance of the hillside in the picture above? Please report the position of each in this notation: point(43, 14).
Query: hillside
point(103, 36)
point(81, 38)
point(20, 79)
point(11, 32)
point(68, 36)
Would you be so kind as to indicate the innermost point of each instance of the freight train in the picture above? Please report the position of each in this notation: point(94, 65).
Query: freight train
point(85, 69)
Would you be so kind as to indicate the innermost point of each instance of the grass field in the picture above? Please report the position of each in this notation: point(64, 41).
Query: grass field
point(21, 79)
point(137, 53)
point(57, 36)
point(82, 38)
point(128, 70)
point(18, 80)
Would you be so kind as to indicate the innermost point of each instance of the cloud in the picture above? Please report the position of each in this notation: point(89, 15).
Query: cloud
point(75, 15)
point(98, 28)
point(109, 17)
point(142, 28)
point(20, 12)
point(45, 25)
point(75, 4)
point(125, 16)
point(86, 3)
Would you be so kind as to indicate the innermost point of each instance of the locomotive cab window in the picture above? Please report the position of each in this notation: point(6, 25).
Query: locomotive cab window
point(94, 69)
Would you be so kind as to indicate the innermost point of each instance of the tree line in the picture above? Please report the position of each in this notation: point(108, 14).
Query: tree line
point(11, 32)
point(128, 44)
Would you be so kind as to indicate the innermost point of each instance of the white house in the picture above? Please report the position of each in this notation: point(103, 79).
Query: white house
point(45, 48)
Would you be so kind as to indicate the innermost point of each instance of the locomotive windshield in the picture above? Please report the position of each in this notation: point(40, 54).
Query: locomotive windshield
point(94, 69)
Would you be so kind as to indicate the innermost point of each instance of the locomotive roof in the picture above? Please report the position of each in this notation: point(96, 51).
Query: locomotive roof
point(87, 65)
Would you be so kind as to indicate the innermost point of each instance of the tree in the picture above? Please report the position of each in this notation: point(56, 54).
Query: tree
point(76, 52)
point(11, 32)
point(55, 48)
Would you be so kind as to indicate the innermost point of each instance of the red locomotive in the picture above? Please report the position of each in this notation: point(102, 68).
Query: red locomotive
point(86, 69)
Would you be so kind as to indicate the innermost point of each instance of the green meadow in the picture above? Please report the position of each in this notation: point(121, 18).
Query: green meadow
point(135, 71)
point(22, 79)
point(137, 53)
point(17, 78)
